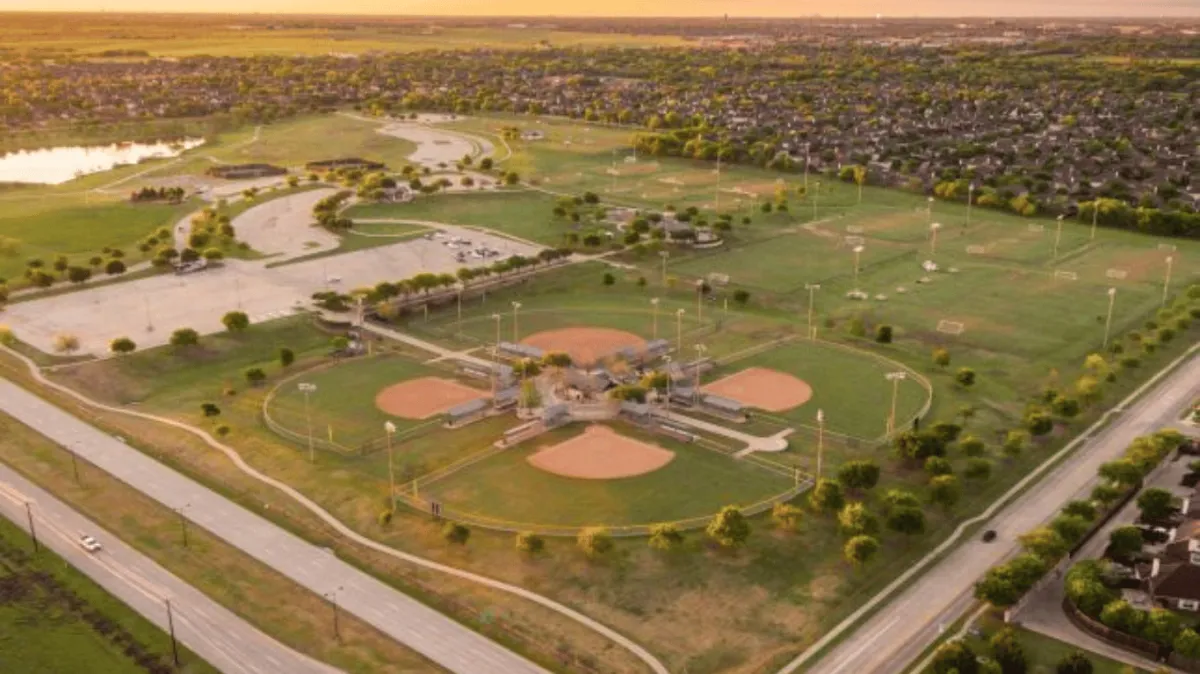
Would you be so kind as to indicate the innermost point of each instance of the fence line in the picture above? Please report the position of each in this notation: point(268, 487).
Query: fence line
point(624, 531)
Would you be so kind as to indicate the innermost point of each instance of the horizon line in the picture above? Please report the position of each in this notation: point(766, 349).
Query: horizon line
point(716, 17)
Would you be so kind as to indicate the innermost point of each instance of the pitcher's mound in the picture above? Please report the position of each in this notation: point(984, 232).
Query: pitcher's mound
point(601, 453)
point(768, 390)
point(424, 397)
point(585, 345)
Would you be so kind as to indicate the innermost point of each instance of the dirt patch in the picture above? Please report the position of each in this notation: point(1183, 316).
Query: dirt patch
point(585, 345)
point(765, 389)
point(601, 453)
point(424, 397)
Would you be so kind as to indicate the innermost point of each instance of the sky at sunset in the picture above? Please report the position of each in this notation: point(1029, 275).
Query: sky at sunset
point(901, 8)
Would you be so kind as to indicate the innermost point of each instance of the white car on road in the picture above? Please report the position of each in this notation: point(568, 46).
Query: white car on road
point(90, 544)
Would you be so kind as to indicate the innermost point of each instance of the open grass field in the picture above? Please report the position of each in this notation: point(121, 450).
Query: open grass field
point(522, 214)
point(42, 631)
point(77, 226)
point(166, 36)
point(695, 483)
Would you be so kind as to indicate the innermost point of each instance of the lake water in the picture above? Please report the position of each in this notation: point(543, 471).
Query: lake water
point(51, 166)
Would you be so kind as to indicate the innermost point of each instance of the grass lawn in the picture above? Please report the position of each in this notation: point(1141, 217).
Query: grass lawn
point(523, 214)
point(696, 483)
point(295, 142)
point(1042, 652)
point(40, 630)
point(77, 226)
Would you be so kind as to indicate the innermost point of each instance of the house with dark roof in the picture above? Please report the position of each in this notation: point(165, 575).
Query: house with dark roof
point(1174, 580)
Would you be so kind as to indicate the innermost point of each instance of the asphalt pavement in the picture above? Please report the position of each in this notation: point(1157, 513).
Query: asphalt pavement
point(437, 637)
point(913, 619)
point(223, 639)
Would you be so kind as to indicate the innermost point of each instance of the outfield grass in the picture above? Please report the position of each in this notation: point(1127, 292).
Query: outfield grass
point(42, 632)
point(696, 483)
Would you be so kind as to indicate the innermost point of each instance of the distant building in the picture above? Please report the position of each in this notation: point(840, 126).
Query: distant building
point(244, 171)
point(344, 163)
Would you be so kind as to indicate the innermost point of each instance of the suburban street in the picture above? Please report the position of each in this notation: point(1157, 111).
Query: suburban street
point(214, 633)
point(437, 637)
point(913, 619)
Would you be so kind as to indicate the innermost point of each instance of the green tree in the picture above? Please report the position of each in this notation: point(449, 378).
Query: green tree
point(665, 537)
point(1015, 442)
point(235, 321)
point(286, 356)
point(860, 549)
point(122, 345)
point(1008, 653)
point(1070, 527)
point(1082, 509)
point(609, 279)
point(1074, 663)
point(1038, 422)
point(786, 516)
point(1121, 472)
point(937, 465)
point(1044, 542)
point(954, 657)
point(530, 543)
point(855, 520)
point(918, 445)
point(883, 334)
point(977, 469)
point(1162, 626)
point(66, 343)
point(944, 490)
point(972, 446)
point(114, 267)
point(860, 475)
point(741, 297)
point(827, 496)
point(1187, 644)
point(78, 274)
point(941, 358)
point(595, 542)
point(455, 533)
point(906, 520)
point(1123, 617)
point(255, 376)
point(1156, 504)
point(210, 409)
point(185, 337)
point(965, 377)
point(729, 528)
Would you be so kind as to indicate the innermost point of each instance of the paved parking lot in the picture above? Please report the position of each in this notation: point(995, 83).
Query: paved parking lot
point(148, 310)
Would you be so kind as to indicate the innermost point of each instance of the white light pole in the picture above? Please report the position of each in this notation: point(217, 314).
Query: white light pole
point(812, 288)
point(1095, 215)
point(308, 389)
point(390, 429)
point(679, 329)
point(1058, 236)
point(933, 230)
point(816, 198)
point(700, 349)
point(1112, 299)
point(929, 209)
point(516, 306)
point(1167, 280)
point(700, 301)
point(820, 441)
point(895, 378)
point(461, 286)
point(667, 360)
point(664, 254)
point(496, 351)
point(857, 252)
point(970, 201)
point(807, 151)
point(654, 303)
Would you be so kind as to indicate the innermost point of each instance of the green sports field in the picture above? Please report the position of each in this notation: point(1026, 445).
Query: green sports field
point(697, 482)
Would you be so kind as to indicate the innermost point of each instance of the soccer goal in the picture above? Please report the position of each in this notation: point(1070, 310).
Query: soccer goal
point(1066, 275)
point(950, 327)
point(1169, 247)
point(1036, 227)
point(1118, 274)
point(976, 250)
point(854, 229)
point(855, 240)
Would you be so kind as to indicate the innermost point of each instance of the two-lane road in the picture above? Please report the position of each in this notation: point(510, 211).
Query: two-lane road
point(223, 639)
point(914, 618)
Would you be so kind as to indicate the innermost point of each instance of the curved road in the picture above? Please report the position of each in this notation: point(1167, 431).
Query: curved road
point(223, 639)
point(913, 619)
point(394, 613)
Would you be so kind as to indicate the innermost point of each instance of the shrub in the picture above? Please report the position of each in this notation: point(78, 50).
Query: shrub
point(936, 465)
point(785, 516)
point(978, 469)
point(665, 537)
point(860, 549)
point(455, 533)
point(827, 496)
point(185, 337)
point(255, 376)
point(122, 345)
point(883, 334)
point(859, 474)
point(856, 520)
point(530, 543)
point(595, 542)
point(729, 527)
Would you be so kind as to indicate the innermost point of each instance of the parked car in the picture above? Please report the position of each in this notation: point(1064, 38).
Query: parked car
point(989, 535)
point(90, 544)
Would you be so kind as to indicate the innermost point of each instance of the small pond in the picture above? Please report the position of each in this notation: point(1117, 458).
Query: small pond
point(51, 166)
